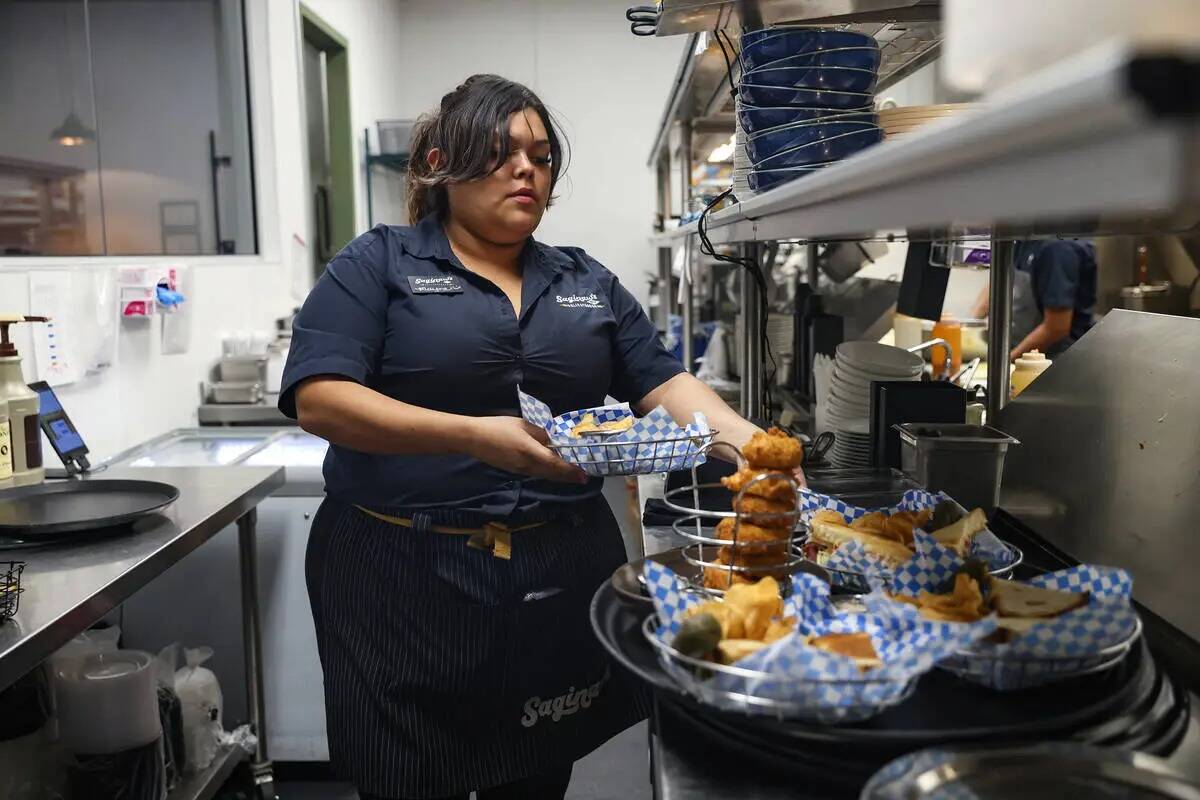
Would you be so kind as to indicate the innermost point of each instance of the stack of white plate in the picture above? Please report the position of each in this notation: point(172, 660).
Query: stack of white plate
point(849, 404)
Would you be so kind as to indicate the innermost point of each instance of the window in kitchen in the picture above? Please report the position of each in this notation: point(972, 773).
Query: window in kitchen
point(124, 128)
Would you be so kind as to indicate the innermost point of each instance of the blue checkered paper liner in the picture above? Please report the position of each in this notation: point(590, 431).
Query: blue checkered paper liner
point(812, 683)
point(643, 449)
point(851, 567)
point(1055, 649)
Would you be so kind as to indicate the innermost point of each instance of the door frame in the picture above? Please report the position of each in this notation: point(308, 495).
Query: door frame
point(321, 35)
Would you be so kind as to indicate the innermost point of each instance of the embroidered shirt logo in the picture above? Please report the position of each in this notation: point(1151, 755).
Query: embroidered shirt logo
point(579, 300)
point(555, 708)
point(441, 284)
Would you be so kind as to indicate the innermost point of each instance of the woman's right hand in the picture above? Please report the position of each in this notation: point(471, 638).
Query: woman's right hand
point(514, 445)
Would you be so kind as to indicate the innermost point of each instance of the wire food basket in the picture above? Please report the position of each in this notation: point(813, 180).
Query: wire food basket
point(998, 670)
point(10, 588)
point(614, 458)
point(704, 553)
point(733, 688)
point(858, 583)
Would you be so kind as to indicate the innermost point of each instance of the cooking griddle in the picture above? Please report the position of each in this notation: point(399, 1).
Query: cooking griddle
point(52, 509)
point(1108, 708)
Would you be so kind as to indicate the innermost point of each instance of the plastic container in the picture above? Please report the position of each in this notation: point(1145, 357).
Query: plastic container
point(108, 703)
point(1026, 369)
point(964, 461)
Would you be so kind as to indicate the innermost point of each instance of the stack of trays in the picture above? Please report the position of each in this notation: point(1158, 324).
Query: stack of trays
point(805, 100)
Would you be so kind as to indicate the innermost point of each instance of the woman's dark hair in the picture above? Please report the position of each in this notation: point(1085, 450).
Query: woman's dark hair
point(465, 130)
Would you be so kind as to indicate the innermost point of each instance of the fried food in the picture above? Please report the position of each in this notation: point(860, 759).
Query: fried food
point(758, 603)
point(854, 645)
point(770, 488)
point(754, 558)
point(900, 526)
point(723, 578)
point(871, 523)
point(779, 628)
point(964, 604)
point(588, 426)
point(774, 449)
point(766, 513)
point(728, 617)
point(753, 538)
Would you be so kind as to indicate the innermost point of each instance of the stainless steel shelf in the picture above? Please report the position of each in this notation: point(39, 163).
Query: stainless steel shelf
point(690, 16)
point(701, 94)
point(205, 784)
point(1074, 149)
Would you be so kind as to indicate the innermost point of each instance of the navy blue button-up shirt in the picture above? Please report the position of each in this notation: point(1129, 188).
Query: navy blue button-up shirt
point(397, 311)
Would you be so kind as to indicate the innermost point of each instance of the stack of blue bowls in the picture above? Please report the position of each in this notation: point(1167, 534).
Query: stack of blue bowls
point(806, 100)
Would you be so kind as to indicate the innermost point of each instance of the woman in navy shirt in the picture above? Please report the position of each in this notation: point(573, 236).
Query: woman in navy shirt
point(451, 565)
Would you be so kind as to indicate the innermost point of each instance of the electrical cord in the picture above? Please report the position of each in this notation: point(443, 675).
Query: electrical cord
point(755, 269)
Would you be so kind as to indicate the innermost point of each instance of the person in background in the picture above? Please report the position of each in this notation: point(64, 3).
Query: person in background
point(452, 563)
point(1054, 295)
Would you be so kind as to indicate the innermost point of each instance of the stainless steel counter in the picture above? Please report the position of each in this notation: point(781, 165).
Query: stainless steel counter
point(70, 587)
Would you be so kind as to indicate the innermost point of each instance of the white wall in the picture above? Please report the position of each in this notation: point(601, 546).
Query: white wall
point(146, 393)
point(607, 87)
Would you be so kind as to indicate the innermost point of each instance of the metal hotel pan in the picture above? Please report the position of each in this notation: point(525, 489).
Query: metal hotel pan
point(60, 507)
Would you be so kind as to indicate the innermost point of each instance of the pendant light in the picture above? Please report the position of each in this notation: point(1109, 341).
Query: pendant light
point(72, 132)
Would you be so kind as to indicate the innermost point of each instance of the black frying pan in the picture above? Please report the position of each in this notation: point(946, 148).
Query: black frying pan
point(58, 507)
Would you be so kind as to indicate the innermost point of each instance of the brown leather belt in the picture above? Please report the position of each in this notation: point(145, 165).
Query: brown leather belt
point(495, 537)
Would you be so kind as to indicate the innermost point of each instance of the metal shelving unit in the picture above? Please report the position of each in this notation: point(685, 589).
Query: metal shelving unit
point(1108, 142)
point(206, 783)
point(1080, 151)
point(396, 163)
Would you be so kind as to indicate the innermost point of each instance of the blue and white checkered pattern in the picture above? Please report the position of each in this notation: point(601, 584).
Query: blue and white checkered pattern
point(815, 684)
point(1054, 649)
point(851, 560)
point(645, 448)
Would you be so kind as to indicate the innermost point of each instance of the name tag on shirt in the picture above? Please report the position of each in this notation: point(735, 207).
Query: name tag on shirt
point(442, 284)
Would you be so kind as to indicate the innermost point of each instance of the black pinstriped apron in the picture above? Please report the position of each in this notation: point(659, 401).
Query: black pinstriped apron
point(447, 669)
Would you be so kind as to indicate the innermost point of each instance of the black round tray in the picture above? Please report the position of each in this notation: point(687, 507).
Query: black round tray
point(58, 507)
point(943, 710)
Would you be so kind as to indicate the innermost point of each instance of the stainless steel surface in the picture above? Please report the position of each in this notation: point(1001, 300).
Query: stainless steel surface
point(301, 453)
point(999, 336)
point(688, 303)
point(751, 362)
point(242, 369)
point(1162, 297)
point(1051, 769)
point(243, 393)
point(252, 632)
point(1075, 154)
point(265, 413)
point(206, 783)
point(683, 16)
point(70, 587)
point(1108, 469)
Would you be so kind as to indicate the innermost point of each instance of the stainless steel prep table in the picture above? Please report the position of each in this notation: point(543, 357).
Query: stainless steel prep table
point(69, 587)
